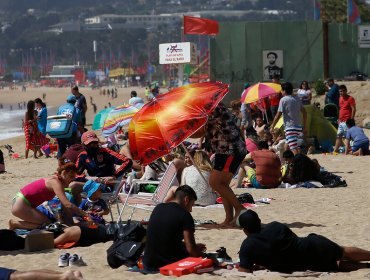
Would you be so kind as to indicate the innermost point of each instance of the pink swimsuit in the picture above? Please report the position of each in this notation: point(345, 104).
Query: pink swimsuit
point(36, 192)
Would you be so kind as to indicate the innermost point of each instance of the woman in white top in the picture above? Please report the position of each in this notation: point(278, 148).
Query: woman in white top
point(191, 177)
point(304, 93)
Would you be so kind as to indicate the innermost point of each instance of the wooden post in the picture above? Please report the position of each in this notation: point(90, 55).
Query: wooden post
point(325, 37)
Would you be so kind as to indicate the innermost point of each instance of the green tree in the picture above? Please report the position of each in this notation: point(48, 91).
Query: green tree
point(336, 11)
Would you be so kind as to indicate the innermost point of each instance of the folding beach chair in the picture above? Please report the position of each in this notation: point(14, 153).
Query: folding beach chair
point(112, 197)
point(143, 200)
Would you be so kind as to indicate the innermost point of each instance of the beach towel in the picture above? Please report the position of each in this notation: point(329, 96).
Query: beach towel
point(268, 274)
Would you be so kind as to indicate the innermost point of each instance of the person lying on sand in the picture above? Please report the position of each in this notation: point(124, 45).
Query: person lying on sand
point(83, 235)
point(40, 274)
point(275, 247)
point(44, 189)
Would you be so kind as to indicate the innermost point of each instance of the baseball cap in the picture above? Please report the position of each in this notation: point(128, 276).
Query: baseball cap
point(88, 137)
point(90, 187)
point(249, 220)
point(71, 98)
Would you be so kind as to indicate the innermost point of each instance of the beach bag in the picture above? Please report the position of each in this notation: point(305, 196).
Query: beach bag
point(60, 126)
point(330, 180)
point(127, 246)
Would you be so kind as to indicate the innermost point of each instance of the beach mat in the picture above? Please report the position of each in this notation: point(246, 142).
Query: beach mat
point(267, 274)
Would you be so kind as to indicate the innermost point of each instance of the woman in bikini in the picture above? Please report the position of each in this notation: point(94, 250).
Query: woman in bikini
point(44, 189)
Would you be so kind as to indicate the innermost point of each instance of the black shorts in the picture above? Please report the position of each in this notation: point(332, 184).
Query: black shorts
point(323, 253)
point(91, 236)
point(228, 163)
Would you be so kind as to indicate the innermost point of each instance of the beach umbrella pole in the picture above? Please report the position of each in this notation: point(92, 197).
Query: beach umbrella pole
point(192, 160)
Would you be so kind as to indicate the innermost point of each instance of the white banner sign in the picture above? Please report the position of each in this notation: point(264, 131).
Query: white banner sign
point(364, 36)
point(177, 53)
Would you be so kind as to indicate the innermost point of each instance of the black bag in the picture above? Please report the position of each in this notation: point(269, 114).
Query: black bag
point(330, 180)
point(10, 241)
point(246, 198)
point(127, 246)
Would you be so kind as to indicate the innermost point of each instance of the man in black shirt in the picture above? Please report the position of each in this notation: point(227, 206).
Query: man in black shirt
point(170, 224)
point(277, 248)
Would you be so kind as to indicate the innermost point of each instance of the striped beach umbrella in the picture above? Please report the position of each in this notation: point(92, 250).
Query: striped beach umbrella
point(117, 118)
point(260, 91)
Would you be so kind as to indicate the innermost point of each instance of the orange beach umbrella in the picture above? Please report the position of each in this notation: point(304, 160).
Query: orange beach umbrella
point(170, 118)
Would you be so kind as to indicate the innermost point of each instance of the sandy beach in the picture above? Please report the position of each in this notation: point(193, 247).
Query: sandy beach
point(341, 214)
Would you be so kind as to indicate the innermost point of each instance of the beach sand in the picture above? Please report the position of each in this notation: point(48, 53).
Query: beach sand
point(341, 214)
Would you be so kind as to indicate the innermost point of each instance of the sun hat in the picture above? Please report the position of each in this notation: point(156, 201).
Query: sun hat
point(88, 137)
point(71, 98)
point(90, 187)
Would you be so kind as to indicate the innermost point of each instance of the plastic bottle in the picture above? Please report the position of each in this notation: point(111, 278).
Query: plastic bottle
point(59, 214)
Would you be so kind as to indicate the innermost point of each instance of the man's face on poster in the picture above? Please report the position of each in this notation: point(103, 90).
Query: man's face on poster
point(271, 58)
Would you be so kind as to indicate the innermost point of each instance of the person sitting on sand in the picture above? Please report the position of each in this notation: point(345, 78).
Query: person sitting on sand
point(53, 209)
point(259, 126)
point(275, 247)
point(287, 160)
point(99, 164)
point(199, 183)
point(39, 274)
point(360, 144)
point(251, 139)
point(169, 224)
point(93, 204)
point(302, 169)
point(44, 189)
point(267, 173)
point(278, 144)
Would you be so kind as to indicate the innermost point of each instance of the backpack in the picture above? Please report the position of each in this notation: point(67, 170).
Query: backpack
point(127, 246)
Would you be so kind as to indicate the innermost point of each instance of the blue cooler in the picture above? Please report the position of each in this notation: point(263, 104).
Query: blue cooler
point(60, 126)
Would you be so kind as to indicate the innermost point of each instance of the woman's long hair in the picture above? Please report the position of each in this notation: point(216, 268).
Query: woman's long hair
point(202, 161)
point(306, 83)
point(30, 110)
point(39, 101)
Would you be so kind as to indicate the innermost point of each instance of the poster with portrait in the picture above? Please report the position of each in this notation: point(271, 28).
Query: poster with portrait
point(273, 64)
point(364, 36)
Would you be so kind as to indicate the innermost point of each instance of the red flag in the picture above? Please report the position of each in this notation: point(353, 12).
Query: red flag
point(200, 26)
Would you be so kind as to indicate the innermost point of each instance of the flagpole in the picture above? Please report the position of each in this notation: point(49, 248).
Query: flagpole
point(180, 67)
